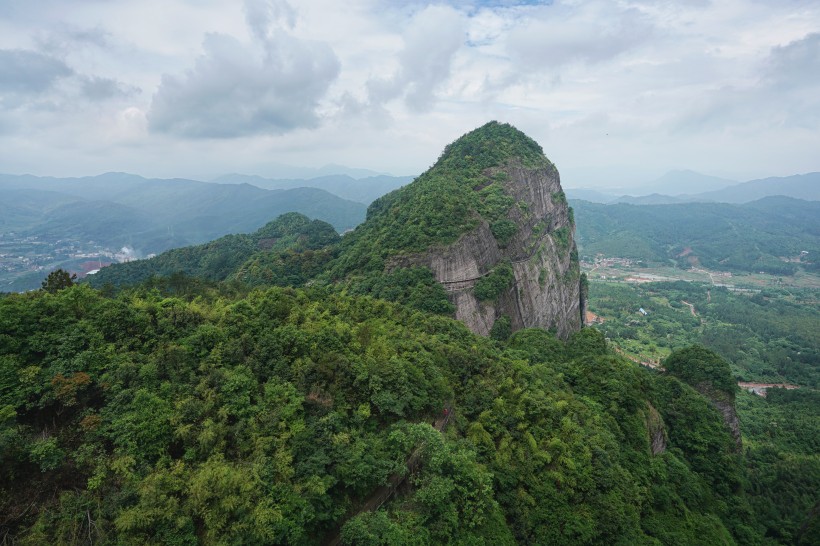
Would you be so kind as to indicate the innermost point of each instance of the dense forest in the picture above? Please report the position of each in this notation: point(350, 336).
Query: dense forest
point(266, 416)
point(769, 337)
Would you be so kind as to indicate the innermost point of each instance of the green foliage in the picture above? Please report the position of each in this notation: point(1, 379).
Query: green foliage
point(465, 185)
point(415, 287)
point(491, 286)
point(781, 435)
point(46, 454)
point(265, 417)
point(502, 328)
point(504, 230)
point(561, 236)
point(58, 280)
point(698, 366)
point(287, 251)
point(766, 337)
point(769, 338)
point(741, 238)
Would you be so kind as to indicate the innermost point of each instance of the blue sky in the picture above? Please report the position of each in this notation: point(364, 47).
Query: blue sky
point(616, 91)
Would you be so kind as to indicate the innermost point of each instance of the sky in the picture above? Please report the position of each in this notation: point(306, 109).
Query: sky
point(617, 92)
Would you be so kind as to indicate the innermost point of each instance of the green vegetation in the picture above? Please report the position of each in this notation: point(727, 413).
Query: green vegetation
point(748, 238)
point(266, 416)
point(781, 436)
point(208, 405)
point(700, 366)
point(58, 280)
point(491, 286)
point(285, 252)
point(464, 186)
point(504, 230)
point(769, 336)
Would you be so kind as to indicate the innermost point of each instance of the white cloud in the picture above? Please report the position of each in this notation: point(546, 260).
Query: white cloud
point(271, 86)
point(603, 85)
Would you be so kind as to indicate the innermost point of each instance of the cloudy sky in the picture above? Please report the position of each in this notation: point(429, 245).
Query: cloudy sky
point(616, 91)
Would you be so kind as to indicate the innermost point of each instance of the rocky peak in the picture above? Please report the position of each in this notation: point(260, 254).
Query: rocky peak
point(514, 259)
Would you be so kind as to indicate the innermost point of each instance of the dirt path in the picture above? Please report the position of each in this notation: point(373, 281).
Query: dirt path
point(691, 307)
point(383, 493)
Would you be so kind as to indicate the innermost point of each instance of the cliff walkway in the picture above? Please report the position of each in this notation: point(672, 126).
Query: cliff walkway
point(385, 492)
point(463, 284)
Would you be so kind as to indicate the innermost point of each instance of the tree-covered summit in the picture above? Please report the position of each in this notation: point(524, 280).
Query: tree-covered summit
point(292, 238)
point(491, 145)
point(464, 187)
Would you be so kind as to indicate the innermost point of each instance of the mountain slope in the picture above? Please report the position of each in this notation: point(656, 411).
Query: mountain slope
point(289, 240)
point(799, 186)
point(491, 222)
point(181, 212)
point(687, 182)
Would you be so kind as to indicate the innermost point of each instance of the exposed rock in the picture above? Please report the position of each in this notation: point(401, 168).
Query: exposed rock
point(658, 438)
point(545, 292)
point(725, 404)
point(727, 409)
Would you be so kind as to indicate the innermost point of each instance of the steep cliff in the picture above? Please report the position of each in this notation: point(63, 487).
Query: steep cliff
point(491, 221)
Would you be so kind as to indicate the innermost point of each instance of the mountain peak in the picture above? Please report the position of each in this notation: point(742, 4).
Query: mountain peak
point(491, 223)
point(491, 145)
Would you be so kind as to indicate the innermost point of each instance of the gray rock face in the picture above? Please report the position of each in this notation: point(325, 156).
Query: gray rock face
point(656, 429)
point(545, 292)
point(727, 409)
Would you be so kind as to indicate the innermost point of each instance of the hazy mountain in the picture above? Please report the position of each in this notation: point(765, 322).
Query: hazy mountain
point(155, 214)
point(799, 186)
point(652, 199)
point(668, 190)
point(362, 190)
point(292, 240)
point(685, 182)
point(593, 196)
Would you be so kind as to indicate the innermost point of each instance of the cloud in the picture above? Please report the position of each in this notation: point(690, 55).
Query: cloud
point(271, 86)
point(263, 15)
point(60, 41)
point(431, 40)
point(29, 72)
point(797, 63)
point(570, 32)
point(96, 88)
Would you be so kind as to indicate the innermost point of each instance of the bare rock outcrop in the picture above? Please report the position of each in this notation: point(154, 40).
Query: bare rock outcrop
point(658, 438)
point(545, 290)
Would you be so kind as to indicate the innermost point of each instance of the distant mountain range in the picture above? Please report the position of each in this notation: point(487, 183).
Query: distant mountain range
point(363, 190)
point(152, 215)
point(692, 187)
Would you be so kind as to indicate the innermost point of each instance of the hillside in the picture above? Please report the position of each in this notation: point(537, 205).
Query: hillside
point(749, 238)
point(48, 223)
point(274, 254)
point(268, 417)
point(490, 221)
point(799, 186)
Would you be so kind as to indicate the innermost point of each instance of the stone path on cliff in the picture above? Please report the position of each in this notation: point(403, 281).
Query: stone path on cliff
point(385, 492)
point(463, 284)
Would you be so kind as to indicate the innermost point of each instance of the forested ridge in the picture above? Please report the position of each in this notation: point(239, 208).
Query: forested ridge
point(263, 416)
